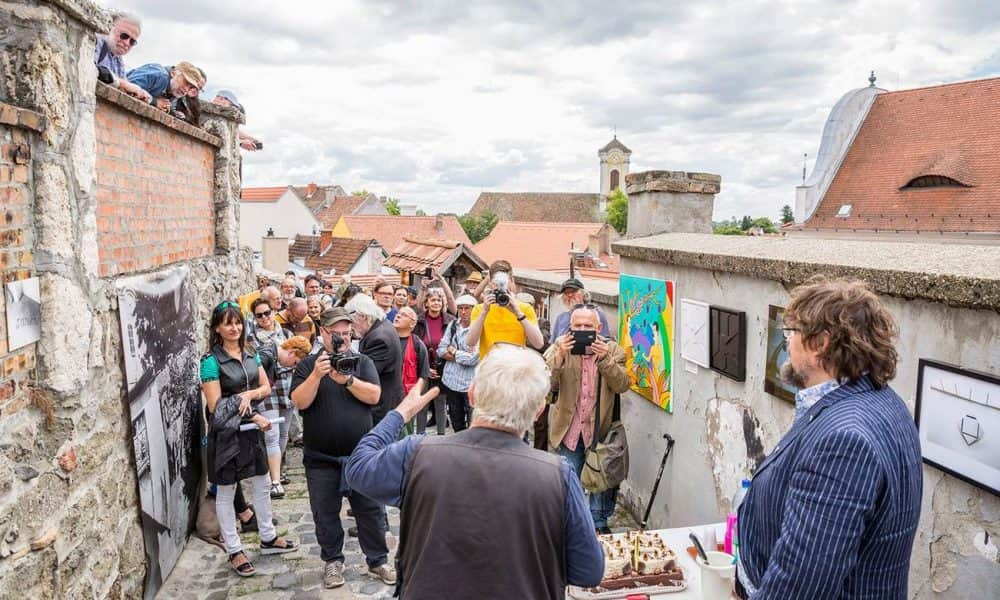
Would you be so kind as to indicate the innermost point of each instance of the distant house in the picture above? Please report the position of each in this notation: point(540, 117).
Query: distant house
point(540, 207)
point(298, 210)
point(334, 256)
point(550, 246)
point(391, 230)
point(907, 163)
point(453, 260)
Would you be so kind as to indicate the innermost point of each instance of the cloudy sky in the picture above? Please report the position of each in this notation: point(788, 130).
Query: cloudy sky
point(434, 101)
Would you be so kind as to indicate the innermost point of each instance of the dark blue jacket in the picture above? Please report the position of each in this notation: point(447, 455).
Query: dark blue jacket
point(833, 510)
point(151, 77)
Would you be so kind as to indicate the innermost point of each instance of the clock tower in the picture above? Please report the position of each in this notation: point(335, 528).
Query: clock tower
point(614, 167)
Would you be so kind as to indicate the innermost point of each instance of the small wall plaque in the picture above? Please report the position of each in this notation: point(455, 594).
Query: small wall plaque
point(728, 342)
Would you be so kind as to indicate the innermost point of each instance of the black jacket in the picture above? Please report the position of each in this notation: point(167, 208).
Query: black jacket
point(234, 454)
point(381, 344)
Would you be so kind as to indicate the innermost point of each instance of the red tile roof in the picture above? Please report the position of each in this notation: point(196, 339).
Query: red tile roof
point(339, 254)
point(951, 130)
point(539, 246)
point(367, 280)
point(390, 230)
point(337, 207)
point(262, 194)
point(416, 254)
point(540, 207)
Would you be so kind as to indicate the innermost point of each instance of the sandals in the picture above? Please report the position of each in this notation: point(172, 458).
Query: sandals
point(278, 545)
point(243, 569)
point(250, 524)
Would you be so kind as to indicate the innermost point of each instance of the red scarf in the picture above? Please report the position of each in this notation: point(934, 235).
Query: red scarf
point(410, 376)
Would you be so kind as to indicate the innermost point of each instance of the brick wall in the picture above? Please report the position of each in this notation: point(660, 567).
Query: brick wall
point(15, 250)
point(154, 187)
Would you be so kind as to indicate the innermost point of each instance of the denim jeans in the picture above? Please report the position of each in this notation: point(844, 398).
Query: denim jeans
point(325, 499)
point(602, 505)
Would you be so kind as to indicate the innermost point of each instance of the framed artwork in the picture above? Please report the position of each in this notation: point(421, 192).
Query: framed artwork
point(728, 342)
point(646, 334)
point(958, 418)
point(694, 332)
point(24, 312)
point(777, 355)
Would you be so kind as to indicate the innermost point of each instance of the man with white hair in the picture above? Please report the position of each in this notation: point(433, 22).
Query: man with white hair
point(110, 48)
point(585, 381)
point(481, 484)
point(380, 343)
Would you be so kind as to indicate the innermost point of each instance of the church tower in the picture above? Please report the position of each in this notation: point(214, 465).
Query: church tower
point(614, 167)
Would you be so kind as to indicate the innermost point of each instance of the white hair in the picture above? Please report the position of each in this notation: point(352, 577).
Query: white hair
point(366, 307)
point(510, 383)
point(128, 18)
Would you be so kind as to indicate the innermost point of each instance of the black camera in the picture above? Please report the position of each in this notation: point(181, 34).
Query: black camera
point(502, 297)
point(342, 361)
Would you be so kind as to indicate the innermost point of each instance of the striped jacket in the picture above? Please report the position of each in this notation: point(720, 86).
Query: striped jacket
point(833, 510)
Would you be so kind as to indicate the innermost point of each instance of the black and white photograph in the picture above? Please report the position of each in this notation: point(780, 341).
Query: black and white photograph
point(24, 312)
point(958, 417)
point(161, 368)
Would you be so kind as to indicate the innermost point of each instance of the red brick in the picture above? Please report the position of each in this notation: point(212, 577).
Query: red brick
point(21, 174)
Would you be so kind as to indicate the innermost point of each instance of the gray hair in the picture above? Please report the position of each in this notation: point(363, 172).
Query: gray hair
point(128, 18)
point(270, 292)
point(511, 384)
point(366, 307)
point(435, 291)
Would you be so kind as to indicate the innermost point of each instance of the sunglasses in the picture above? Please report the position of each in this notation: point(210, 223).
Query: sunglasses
point(226, 304)
point(261, 315)
point(127, 38)
point(588, 306)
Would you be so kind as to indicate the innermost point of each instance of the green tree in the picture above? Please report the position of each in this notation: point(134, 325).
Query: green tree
point(728, 228)
point(746, 222)
point(420, 213)
point(764, 223)
point(477, 228)
point(392, 206)
point(618, 211)
point(363, 193)
point(786, 214)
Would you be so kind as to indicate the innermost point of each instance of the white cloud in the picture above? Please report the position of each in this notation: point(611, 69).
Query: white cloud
point(433, 102)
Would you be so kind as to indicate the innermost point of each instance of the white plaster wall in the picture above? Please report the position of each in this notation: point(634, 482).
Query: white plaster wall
point(288, 216)
point(715, 419)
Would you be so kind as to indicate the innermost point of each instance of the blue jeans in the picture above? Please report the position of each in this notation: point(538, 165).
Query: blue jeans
point(602, 505)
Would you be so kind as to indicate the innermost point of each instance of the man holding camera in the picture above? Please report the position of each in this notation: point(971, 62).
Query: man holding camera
point(583, 365)
point(501, 318)
point(335, 391)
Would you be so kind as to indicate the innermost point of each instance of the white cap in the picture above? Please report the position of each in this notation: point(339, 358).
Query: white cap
point(465, 300)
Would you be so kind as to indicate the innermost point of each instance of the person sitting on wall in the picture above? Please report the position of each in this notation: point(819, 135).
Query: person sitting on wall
point(110, 48)
point(580, 378)
point(573, 294)
point(832, 512)
point(165, 83)
point(501, 317)
point(227, 98)
point(523, 536)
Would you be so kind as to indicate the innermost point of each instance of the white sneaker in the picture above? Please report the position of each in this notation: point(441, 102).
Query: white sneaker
point(277, 491)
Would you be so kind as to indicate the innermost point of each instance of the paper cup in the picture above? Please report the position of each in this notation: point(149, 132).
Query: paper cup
point(717, 576)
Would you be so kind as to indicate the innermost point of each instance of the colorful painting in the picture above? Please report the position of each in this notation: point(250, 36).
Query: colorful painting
point(646, 333)
point(777, 355)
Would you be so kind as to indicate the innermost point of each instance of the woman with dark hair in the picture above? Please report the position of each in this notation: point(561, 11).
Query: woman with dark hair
point(233, 380)
point(431, 325)
point(265, 329)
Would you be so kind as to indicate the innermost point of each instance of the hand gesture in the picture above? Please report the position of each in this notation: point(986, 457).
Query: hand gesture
point(415, 402)
point(564, 344)
point(261, 422)
point(322, 365)
point(244, 405)
point(599, 348)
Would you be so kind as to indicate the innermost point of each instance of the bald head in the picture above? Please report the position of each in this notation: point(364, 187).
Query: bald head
point(298, 308)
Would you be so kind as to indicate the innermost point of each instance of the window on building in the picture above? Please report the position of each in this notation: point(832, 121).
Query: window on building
point(932, 181)
point(614, 179)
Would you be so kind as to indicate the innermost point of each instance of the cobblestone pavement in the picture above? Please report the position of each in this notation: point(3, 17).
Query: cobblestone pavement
point(202, 573)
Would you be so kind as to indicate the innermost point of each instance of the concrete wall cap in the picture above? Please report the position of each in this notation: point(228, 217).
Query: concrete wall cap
point(962, 275)
point(672, 181)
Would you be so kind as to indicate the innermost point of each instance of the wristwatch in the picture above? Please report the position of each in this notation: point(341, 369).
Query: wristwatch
point(522, 317)
point(349, 382)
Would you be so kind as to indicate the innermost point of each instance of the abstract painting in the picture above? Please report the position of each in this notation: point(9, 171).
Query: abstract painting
point(777, 355)
point(646, 334)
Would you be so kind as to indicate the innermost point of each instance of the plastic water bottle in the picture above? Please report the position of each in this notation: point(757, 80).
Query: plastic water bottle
point(738, 497)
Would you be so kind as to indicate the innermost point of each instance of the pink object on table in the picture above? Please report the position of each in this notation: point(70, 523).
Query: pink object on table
point(730, 532)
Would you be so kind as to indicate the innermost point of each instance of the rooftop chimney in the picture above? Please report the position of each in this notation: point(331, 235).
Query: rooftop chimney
point(311, 189)
point(274, 253)
point(325, 237)
point(670, 202)
point(438, 223)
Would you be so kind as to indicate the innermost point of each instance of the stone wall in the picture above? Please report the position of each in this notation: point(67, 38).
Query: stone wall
point(945, 299)
point(69, 516)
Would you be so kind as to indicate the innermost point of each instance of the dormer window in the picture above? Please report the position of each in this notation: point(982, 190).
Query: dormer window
point(845, 211)
point(933, 181)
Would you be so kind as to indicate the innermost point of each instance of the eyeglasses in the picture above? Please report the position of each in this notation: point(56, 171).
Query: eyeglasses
point(788, 332)
point(226, 304)
point(126, 37)
point(261, 315)
point(588, 306)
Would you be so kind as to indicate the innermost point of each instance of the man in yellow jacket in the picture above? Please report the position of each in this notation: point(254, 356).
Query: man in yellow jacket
point(580, 378)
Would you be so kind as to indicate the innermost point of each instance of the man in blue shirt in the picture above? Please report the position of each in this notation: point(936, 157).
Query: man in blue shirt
point(110, 48)
point(164, 83)
point(513, 517)
point(573, 295)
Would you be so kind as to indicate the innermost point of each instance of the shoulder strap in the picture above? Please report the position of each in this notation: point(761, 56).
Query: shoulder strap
point(597, 415)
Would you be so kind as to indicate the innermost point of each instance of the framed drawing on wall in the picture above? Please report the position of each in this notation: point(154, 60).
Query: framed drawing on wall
point(777, 355)
point(694, 332)
point(729, 342)
point(958, 418)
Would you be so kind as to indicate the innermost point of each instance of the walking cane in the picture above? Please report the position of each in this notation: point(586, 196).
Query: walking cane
point(656, 484)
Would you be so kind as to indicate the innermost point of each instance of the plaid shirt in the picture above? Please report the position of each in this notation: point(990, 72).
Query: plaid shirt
point(278, 400)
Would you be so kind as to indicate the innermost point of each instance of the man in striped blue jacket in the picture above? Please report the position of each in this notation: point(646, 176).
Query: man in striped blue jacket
point(833, 510)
